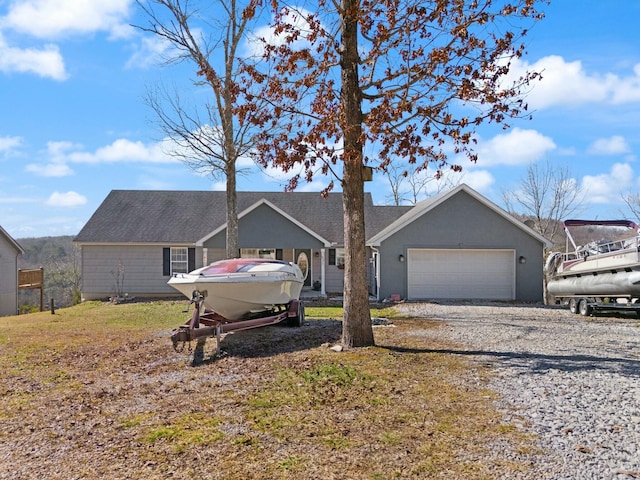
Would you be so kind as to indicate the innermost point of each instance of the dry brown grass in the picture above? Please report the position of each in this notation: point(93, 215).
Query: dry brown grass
point(96, 391)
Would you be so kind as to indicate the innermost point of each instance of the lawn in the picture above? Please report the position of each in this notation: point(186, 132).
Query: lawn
point(96, 391)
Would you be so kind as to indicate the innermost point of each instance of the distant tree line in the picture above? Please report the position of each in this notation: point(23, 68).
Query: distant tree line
point(61, 263)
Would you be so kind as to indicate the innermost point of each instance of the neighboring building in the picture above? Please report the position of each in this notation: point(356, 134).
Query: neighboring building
point(455, 245)
point(9, 251)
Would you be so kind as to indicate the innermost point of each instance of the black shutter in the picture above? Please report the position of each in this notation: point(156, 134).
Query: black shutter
point(332, 256)
point(191, 260)
point(279, 254)
point(166, 262)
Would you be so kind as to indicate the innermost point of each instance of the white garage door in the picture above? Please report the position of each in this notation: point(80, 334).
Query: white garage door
point(440, 273)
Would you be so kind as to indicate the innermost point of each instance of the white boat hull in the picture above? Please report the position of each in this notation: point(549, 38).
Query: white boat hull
point(234, 295)
point(605, 284)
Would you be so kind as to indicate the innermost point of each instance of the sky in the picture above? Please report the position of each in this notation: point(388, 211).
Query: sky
point(74, 124)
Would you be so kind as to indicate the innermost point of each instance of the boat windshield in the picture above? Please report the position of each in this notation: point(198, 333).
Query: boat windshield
point(235, 265)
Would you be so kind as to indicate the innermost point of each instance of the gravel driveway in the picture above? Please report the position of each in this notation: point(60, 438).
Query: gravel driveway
point(573, 381)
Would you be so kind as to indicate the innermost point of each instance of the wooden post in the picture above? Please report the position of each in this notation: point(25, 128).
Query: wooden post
point(53, 310)
point(42, 291)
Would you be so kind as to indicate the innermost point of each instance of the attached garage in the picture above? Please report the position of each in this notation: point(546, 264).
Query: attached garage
point(461, 274)
point(458, 245)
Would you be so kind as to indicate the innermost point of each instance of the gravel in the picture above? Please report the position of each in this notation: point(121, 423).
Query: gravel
point(572, 381)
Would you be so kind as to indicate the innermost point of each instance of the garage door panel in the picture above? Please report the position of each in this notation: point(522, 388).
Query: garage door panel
point(447, 273)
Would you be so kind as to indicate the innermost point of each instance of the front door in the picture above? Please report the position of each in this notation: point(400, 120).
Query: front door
point(303, 259)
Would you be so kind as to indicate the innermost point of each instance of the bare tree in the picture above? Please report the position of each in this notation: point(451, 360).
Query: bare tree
point(210, 40)
point(410, 184)
point(632, 200)
point(408, 77)
point(547, 195)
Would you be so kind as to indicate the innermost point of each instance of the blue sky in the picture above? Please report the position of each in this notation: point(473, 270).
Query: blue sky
point(73, 74)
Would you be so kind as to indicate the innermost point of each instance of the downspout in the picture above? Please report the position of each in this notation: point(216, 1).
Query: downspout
point(323, 290)
point(376, 259)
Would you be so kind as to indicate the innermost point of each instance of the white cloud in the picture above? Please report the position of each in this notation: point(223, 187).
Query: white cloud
point(9, 143)
point(517, 147)
point(68, 199)
point(275, 174)
point(315, 185)
point(49, 170)
point(569, 84)
point(45, 62)
point(57, 151)
point(52, 19)
point(609, 146)
point(628, 89)
point(479, 180)
point(123, 150)
point(245, 162)
point(150, 51)
point(562, 83)
point(296, 16)
point(606, 187)
point(60, 154)
point(220, 186)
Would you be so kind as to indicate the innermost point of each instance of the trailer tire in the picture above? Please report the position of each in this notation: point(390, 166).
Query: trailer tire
point(298, 320)
point(573, 305)
point(584, 307)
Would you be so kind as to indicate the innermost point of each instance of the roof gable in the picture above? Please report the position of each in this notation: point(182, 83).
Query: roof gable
point(268, 204)
point(11, 241)
point(429, 204)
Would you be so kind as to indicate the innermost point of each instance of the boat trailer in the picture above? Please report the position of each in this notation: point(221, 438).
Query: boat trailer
point(206, 323)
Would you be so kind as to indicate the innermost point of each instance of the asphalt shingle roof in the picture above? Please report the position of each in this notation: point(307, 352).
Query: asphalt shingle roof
point(167, 216)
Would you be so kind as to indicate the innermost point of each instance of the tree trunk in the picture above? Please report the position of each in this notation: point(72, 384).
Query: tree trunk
point(230, 154)
point(356, 327)
point(233, 246)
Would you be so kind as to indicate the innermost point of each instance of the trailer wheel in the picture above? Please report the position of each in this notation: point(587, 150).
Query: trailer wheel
point(573, 305)
point(584, 307)
point(298, 319)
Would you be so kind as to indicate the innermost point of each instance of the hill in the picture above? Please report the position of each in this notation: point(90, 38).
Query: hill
point(61, 263)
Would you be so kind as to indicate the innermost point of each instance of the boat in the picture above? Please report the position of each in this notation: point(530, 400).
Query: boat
point(602, 268)
point(238, 287)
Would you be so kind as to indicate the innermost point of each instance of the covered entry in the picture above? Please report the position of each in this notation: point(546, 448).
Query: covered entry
point(461, 273)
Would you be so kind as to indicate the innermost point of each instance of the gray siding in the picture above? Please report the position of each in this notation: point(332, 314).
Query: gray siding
point(141, 266)
point(266, 228)
point(462, 222)
point(8, 278)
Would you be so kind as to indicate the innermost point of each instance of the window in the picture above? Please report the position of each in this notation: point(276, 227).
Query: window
point(336, 257)
point(303, 263)
point(178, 260)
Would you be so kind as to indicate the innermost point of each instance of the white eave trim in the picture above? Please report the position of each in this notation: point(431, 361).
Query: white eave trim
point(259, 203)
